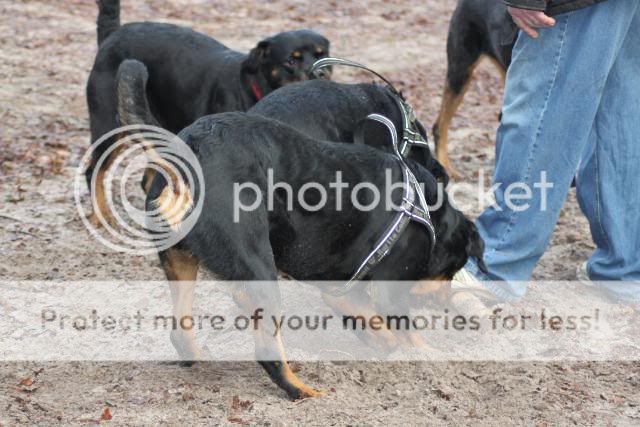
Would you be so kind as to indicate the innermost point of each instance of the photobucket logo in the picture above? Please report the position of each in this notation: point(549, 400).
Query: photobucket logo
point(363, 196)
point(129, 226)
point(367, 196)
point(516, 196)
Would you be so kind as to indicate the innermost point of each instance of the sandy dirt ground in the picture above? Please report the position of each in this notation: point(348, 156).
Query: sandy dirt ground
point(46, 52)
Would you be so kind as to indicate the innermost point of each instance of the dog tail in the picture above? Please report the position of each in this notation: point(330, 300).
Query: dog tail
point(131, 88)
point(108, 18)
point(133, 109)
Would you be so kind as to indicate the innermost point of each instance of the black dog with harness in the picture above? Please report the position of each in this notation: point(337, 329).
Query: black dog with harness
point(326, 244)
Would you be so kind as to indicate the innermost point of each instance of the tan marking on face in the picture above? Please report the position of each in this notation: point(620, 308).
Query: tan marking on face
point(275, 73)
point(319, 51)
point(439, 285)
point(296, 54)
point(173, 204)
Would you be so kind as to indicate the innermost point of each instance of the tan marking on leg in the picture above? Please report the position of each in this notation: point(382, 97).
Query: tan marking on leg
point(174, 204)
point(99, 199)
point(432, 286)
point(304, 390)
point(267, 339)
point(448, 107)
point(147, 179)
point(181, 269)
point(287, 375)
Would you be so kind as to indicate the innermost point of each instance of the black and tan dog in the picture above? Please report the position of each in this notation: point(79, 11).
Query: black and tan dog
point(478, 29)
point(327, 244)
point(190, 74)
point(332, 111)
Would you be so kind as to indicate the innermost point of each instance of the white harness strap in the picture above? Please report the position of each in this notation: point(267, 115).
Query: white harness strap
point(409, 210)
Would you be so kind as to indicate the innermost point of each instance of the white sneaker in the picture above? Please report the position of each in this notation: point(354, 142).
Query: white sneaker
point(469, 296)
point(582, 275)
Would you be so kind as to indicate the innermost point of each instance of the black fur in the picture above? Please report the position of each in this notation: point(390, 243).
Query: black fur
point(328, 244)
point(477, 27)
point(108, 18)
point(324, 245)
point(191, 74)
point(331, 111)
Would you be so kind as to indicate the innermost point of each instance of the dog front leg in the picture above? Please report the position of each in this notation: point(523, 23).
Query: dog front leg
point(358, 305)
point(264, 298)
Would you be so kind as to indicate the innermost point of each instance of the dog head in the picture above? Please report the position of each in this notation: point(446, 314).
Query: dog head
point(287, 57)
point(457, 238)
point(457, 241)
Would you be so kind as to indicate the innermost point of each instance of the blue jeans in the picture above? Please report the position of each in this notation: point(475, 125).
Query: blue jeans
point(574, 92)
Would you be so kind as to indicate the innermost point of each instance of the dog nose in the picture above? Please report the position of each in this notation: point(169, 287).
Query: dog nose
point(322, 73)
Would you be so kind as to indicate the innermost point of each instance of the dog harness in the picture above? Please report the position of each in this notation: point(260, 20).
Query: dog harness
point(414, 205)
point(410, 135)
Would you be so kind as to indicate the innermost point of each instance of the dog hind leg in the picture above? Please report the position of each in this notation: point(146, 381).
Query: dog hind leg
point(247, 259)
point(268, 341)
point(102, 119)
point(181, 269)
point(464, 50)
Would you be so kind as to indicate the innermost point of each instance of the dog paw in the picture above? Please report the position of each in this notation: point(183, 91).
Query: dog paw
point(453, 173)
point(306, 393)
point(95, 221)
point(186, 347)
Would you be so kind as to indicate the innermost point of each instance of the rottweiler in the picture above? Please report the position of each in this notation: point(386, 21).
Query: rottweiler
point(190, 75)
point(328, 243)
point(332, 111)
point(478, 28)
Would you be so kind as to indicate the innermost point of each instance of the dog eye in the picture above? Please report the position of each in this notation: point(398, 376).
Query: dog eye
point(291, 62)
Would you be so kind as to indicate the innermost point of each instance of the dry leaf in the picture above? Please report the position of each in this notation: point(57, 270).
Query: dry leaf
point(237, 404)
point(27, 382)
point(106, 415)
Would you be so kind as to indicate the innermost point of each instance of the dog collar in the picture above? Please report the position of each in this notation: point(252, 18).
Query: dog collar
point(255, 90)
point(413, 208)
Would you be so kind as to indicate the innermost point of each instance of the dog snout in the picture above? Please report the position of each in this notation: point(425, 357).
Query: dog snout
point(322, 74)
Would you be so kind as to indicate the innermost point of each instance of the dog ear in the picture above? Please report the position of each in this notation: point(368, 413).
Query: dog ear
point(257, 56)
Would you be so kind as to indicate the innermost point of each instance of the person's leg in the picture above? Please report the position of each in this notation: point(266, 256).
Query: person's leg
point(553, 91)
point(609, 182)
